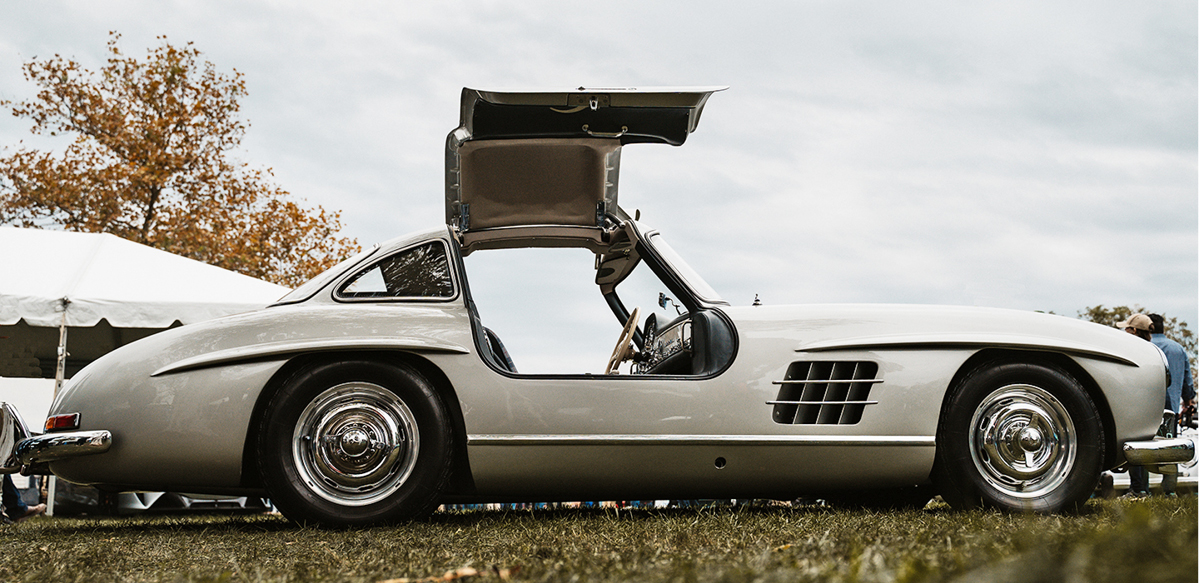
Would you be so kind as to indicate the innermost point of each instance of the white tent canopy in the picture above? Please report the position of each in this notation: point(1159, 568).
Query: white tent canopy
point(105, 277)
point(107, 292)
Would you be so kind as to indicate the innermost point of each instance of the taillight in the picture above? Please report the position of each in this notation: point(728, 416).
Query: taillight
point(61, 422)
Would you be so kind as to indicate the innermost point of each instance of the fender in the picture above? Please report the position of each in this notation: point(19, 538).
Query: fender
point(289, 347)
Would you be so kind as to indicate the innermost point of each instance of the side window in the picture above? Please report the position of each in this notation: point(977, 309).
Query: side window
point(420, 272)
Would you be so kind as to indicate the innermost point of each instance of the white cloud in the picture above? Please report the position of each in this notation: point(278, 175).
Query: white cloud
point(1021, 154)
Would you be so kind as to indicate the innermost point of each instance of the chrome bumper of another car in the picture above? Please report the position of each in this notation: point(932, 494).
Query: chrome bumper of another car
point(1160, 451)
point(19, 448)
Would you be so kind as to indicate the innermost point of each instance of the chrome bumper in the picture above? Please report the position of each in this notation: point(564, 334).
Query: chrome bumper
point(1177, 450)
point(19, 448)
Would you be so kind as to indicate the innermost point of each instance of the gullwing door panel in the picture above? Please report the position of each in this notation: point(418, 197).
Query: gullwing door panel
point(540, 168)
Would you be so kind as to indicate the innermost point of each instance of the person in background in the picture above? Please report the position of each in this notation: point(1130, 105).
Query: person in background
point(1180, 393)
point(1139, 479)
point(15, 509)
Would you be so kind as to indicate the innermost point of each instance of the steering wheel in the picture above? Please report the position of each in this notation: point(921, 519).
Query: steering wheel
point(624, 348)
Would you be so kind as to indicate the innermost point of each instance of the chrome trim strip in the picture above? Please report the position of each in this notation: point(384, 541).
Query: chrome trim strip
point(1160, 451)
point(828, 381)
point(822, 402)
point(821, 440)
point(59, 446)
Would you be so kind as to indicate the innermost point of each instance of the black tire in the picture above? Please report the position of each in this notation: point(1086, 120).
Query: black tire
point(1019, 437)
point(355, 443)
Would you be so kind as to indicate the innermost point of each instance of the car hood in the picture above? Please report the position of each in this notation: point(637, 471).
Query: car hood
point(837, 327)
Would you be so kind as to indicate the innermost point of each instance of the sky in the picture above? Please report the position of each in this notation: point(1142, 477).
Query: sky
point(1019, 154)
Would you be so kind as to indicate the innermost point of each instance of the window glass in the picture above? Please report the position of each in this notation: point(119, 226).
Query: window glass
point(691, 278)
point(642, 288)
point(420, 272)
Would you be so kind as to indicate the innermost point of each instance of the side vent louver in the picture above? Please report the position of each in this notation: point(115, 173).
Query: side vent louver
point(824, 393)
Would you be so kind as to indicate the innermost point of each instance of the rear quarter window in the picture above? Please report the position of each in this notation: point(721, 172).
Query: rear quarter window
point(421, 272)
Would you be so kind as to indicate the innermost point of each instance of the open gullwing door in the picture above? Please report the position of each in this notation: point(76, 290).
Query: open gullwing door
point(540, 168)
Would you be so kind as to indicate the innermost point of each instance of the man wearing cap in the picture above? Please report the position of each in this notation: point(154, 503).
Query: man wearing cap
point(1139, 325)
point(1139, 479)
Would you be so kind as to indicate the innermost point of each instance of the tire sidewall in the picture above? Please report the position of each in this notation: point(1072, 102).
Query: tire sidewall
point(287, 488)
point(959, 479)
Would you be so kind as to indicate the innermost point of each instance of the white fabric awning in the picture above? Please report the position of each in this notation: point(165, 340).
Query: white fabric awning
point(105, 277)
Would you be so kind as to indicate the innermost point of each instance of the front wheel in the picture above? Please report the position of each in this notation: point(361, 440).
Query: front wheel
point(1019, 437)
point(354, 443)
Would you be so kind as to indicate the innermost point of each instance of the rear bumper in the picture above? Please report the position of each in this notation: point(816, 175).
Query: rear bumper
point(1160, 451)
point(19, 448)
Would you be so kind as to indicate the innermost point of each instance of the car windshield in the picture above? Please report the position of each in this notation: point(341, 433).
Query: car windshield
point(689, 275)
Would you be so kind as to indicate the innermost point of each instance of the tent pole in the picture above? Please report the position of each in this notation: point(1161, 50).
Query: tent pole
point(59, 372)
point(61, 368)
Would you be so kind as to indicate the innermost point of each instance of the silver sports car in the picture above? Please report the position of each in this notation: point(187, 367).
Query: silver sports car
point(375, 391)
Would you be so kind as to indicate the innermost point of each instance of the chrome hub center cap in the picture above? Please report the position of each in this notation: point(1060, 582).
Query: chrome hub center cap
point(1030, 439)
point(354, 442)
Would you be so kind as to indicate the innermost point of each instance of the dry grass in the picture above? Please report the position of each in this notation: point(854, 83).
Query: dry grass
point(1154, 540)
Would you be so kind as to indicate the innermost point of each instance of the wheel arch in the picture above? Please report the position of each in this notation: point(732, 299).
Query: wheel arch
point(461, 480)
point(993, 356)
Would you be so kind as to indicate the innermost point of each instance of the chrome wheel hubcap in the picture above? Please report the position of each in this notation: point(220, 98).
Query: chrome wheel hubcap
point(1023, 442)
point(355, 444)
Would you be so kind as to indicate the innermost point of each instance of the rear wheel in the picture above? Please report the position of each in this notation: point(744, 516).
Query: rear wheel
point(1019, 437)
point(356, 442)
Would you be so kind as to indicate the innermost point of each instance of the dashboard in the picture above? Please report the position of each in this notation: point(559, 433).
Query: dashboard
point(669, 350)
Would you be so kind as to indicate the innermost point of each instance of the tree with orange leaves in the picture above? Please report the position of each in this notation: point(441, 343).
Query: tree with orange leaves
point(150, 161)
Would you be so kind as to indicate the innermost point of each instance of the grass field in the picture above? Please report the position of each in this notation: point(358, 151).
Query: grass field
point(1153, 540)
